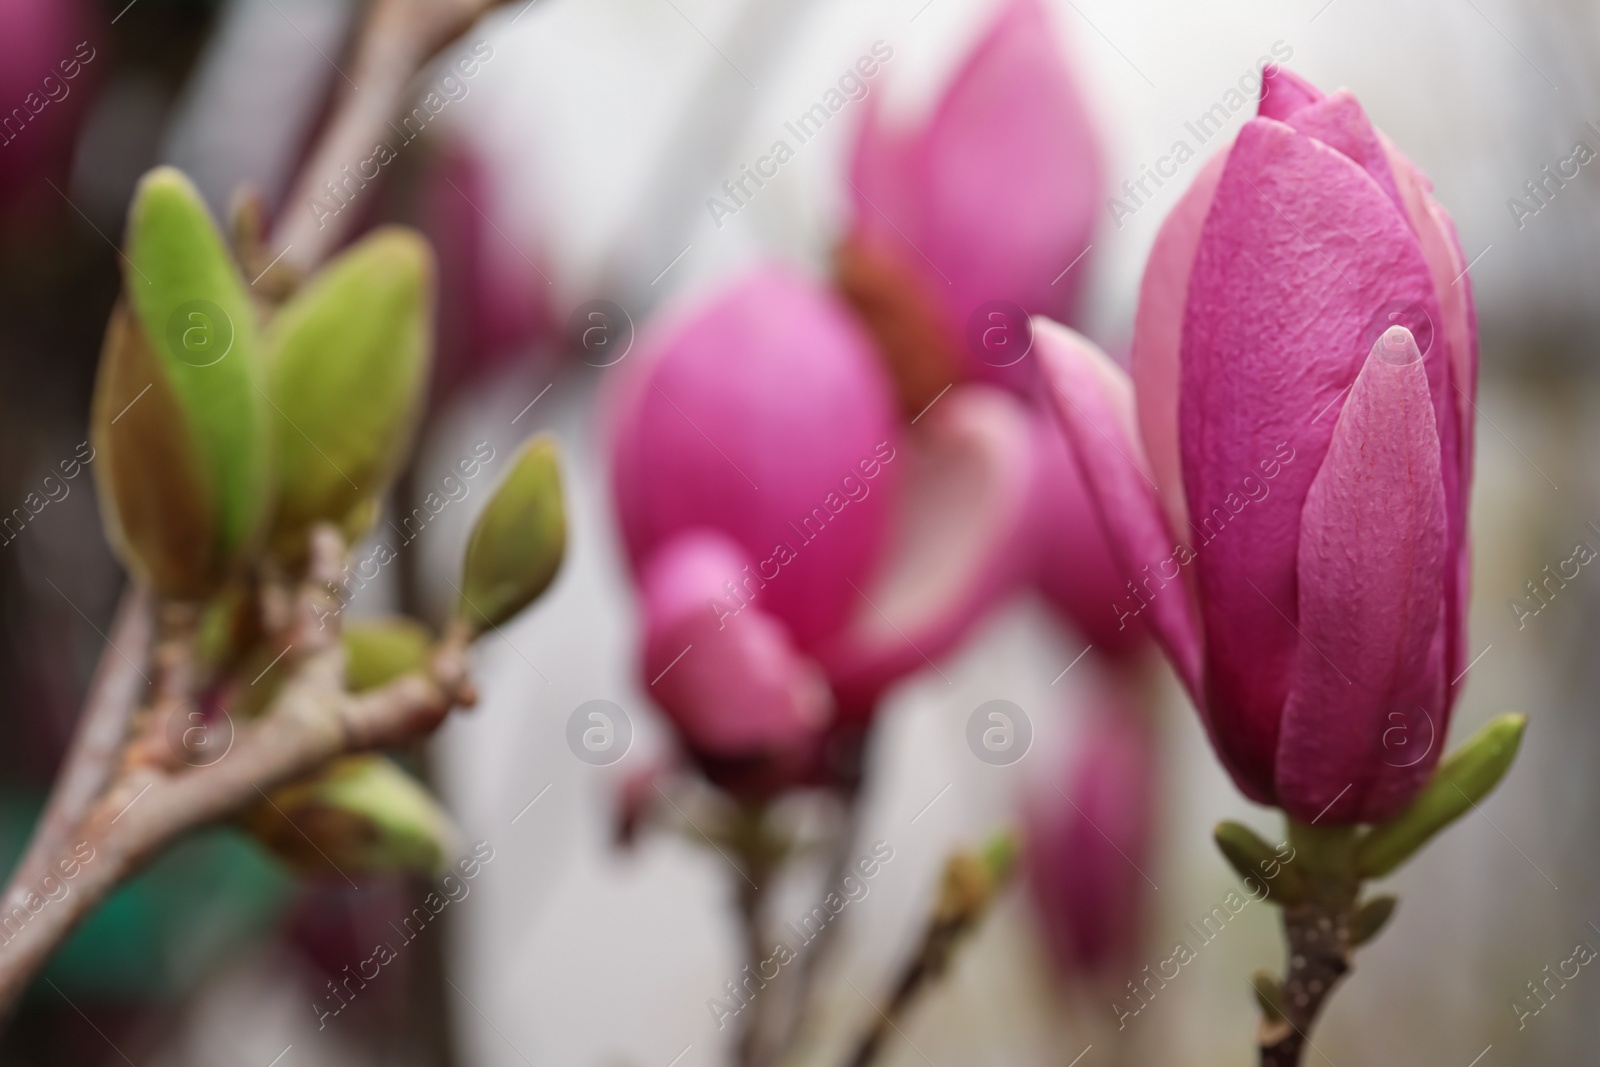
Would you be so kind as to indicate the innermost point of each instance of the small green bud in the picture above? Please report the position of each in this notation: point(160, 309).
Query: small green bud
point(378, 651)
point(1000, 854)
point(518, 541)
point(190, 336)
point(347, 361)
point(1269, 994)
point(1462, 779)
point(156, 498)
point(1371, 918)
point(1259, 864)
point(359, 815)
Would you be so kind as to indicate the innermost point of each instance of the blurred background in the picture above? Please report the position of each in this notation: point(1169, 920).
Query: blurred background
point(575, 165)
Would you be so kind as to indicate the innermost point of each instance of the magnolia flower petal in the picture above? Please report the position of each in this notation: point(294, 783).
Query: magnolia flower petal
point(958, 543)
point(763, 413)
point(1459, 333)
point(1158, 333)
point(1300, 255)
point(1338, 121)
point(1093, 398)
point(1283, 92)
point(1372, 559)
point(1075, 569)
point(725, 671)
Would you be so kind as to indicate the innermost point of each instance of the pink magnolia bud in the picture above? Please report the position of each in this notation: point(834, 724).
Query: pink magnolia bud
point(990, 199)
point(1088, 836)
point(1290, 478)
point(726, 673)
point(762, 414)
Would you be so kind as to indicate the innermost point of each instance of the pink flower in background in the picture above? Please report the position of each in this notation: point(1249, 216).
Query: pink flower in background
point(991, 198)
point(1289, 479)
point(1088, 834)
point(48, 50)
point(787, 528)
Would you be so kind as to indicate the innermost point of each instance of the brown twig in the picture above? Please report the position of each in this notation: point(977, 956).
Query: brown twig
point(113, 694)
point(397, 39)
point(1319, 955)
point(969, 887)
point(154, 797)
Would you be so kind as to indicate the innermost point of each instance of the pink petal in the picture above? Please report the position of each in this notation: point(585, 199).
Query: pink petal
point(1300, 255)
point(1088, 837)
point(1284, 92)
point(998, 193)
point(959, 541)
point(725, 671)
point(1094, 400)
point(1448, 265)
point(1372, 560)
point(1339, 122)
point(760, 414)
point(1158, 333)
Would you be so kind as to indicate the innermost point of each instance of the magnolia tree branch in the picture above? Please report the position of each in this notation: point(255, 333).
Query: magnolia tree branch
point(1319, 955)
point(102, 725)
point(153, 796)
point(398, 38)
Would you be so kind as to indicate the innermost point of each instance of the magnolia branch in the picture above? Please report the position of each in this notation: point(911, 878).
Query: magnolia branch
point(398, 38)
point(152, 796)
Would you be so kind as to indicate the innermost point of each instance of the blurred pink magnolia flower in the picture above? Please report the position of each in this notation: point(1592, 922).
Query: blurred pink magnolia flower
point(1289, 480)
point(47, 57)
point(494, 301)
point(1088, 834)
point(990, 199)
point(787, 527)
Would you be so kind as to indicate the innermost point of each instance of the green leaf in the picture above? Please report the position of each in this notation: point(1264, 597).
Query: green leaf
point(518, 541)
point(360, 814)
point(200, 328)
point(1259, 863)
point(1462, 779)
point(1371, 917)
point(348, 362)
point(378, 651)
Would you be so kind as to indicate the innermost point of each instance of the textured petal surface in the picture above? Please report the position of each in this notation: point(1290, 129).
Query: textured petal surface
point(726, 673)
point(757, 414)
point(960, 541)
point(1094, 400)
point(998, 192)
point(1301, 254)
point(1158, 333)
point(1283, 92)
point(1459, 334)
point(1372, 562)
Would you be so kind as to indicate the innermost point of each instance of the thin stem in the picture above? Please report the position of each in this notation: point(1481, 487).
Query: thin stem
point(1318, 957)
point(113, 694)
point(397, 39)
point(969, 887)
